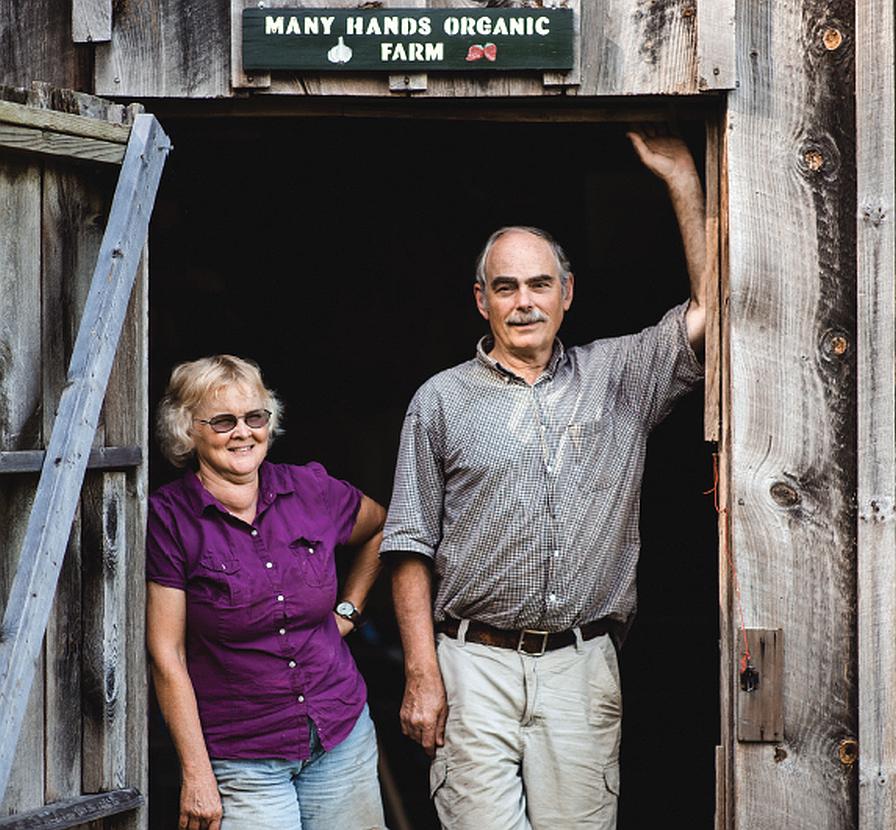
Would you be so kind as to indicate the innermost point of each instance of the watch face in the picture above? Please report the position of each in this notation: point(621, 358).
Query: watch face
point(345, 609)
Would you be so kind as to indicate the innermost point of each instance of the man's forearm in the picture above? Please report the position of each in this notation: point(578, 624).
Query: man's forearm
point(412, 597)
point(688, 202)
point(424, 708)
point(689, 205)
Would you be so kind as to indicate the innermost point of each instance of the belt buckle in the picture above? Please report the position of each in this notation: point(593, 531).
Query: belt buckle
point(544, 641)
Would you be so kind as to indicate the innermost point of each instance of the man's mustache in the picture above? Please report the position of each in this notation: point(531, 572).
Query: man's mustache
point(533, 316)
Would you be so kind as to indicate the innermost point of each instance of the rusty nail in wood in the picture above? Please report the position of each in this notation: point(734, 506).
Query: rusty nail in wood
point(814, 159)
point(839, 345)
point(832, 39)
point(848, 751)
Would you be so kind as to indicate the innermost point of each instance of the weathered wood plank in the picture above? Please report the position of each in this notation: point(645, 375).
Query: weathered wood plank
point(91, 21)
point(792, 282)
point(20, 428)
point(36, 42)
point(239, 78)
point(78, 126)
point(126, 418)
point(62, 753)
point(73, 102)
point(728, 616)
point(32, 590)
point(75, 206)
point(712, 359)
point(100, 458)
point(760, 712)
point(166, 48)
point(640, 48)
point(875, 33)
point(104, 665)
point(74, 812)
point(59, 145)
point(20, 392)
point(25, 789)
point(721, 783)
point(715, 45)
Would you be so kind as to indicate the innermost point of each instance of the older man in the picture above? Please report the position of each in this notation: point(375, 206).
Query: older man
point(517, 492)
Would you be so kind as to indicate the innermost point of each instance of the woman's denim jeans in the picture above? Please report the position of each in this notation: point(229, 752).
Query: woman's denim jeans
point(336, 789)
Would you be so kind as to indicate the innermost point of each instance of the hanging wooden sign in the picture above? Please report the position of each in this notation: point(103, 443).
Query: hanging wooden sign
point(407, 39)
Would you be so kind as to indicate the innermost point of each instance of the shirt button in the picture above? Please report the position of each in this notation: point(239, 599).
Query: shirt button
point(292, 664)
point(310, 550)
point(552, 597)
point(556, 554)
point(301, 698)
point(279, 597)
point(282, 631)
point(269, 564)
point(253, 532)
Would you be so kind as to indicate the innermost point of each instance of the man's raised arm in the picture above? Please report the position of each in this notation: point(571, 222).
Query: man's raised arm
point(668, 158)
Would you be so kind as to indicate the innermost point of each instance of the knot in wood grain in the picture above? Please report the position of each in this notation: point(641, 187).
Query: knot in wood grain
point(832, 39)
point(834, 344)
point(814, 160)
point(784, 495)
point(819, 155)
point(848, 751)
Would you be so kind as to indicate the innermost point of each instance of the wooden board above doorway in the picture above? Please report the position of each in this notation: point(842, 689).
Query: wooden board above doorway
point(169, 48)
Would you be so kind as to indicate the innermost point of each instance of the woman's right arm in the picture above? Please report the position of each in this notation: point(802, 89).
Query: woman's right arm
point(166, 621)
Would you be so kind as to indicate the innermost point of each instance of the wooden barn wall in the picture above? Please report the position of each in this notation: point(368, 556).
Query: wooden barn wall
point(85, 730)
point(792, 193)
point(36, 45)
point(876, 162)
point(176, 48)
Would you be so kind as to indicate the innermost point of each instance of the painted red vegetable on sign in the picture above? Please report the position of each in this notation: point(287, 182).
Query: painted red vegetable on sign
point(477, 52)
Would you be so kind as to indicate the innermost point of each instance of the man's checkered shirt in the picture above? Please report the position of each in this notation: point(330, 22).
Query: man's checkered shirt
point(527, 497)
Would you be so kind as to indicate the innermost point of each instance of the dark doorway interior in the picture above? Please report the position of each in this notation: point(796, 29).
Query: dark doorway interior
point(338, 253)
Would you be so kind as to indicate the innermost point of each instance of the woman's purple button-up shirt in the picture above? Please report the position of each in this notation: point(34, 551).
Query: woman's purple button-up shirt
point(263, 649)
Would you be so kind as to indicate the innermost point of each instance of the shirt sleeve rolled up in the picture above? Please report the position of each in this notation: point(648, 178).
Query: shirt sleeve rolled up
point(414, 522)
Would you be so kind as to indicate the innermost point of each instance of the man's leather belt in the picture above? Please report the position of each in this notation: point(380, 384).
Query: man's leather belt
point(527, 640)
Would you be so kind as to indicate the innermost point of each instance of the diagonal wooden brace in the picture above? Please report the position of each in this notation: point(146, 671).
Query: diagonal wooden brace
point(34, 585)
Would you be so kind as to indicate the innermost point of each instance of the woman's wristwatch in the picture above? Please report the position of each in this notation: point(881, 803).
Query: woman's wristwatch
point(347, 610)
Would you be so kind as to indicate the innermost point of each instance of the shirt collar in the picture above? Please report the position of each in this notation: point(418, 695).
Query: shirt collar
point(272, 482)
point(487, 343)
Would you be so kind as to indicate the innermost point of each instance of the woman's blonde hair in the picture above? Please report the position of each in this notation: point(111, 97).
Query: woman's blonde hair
point(190, 384)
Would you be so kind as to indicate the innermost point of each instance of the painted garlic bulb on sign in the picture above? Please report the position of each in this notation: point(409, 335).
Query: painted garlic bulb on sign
point(340, 53)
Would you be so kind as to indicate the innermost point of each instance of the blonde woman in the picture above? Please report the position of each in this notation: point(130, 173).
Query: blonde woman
point(263, 700)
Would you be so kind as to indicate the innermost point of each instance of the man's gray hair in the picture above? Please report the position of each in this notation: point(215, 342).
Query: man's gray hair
point(563, 267)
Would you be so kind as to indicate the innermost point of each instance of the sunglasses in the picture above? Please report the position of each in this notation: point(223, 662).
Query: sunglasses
point(256, 419)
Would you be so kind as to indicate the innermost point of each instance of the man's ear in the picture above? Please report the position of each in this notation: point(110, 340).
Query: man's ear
point(567, 294)
point(481, 300)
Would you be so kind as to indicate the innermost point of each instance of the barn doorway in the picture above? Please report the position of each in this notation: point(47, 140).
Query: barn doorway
point(337, 252)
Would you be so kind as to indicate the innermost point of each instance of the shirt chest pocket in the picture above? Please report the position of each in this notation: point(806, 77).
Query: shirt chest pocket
point(317, 565)
point(592, 448)
point(220, 576)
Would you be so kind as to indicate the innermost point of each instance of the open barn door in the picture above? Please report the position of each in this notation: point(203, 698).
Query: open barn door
point(78, 177)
